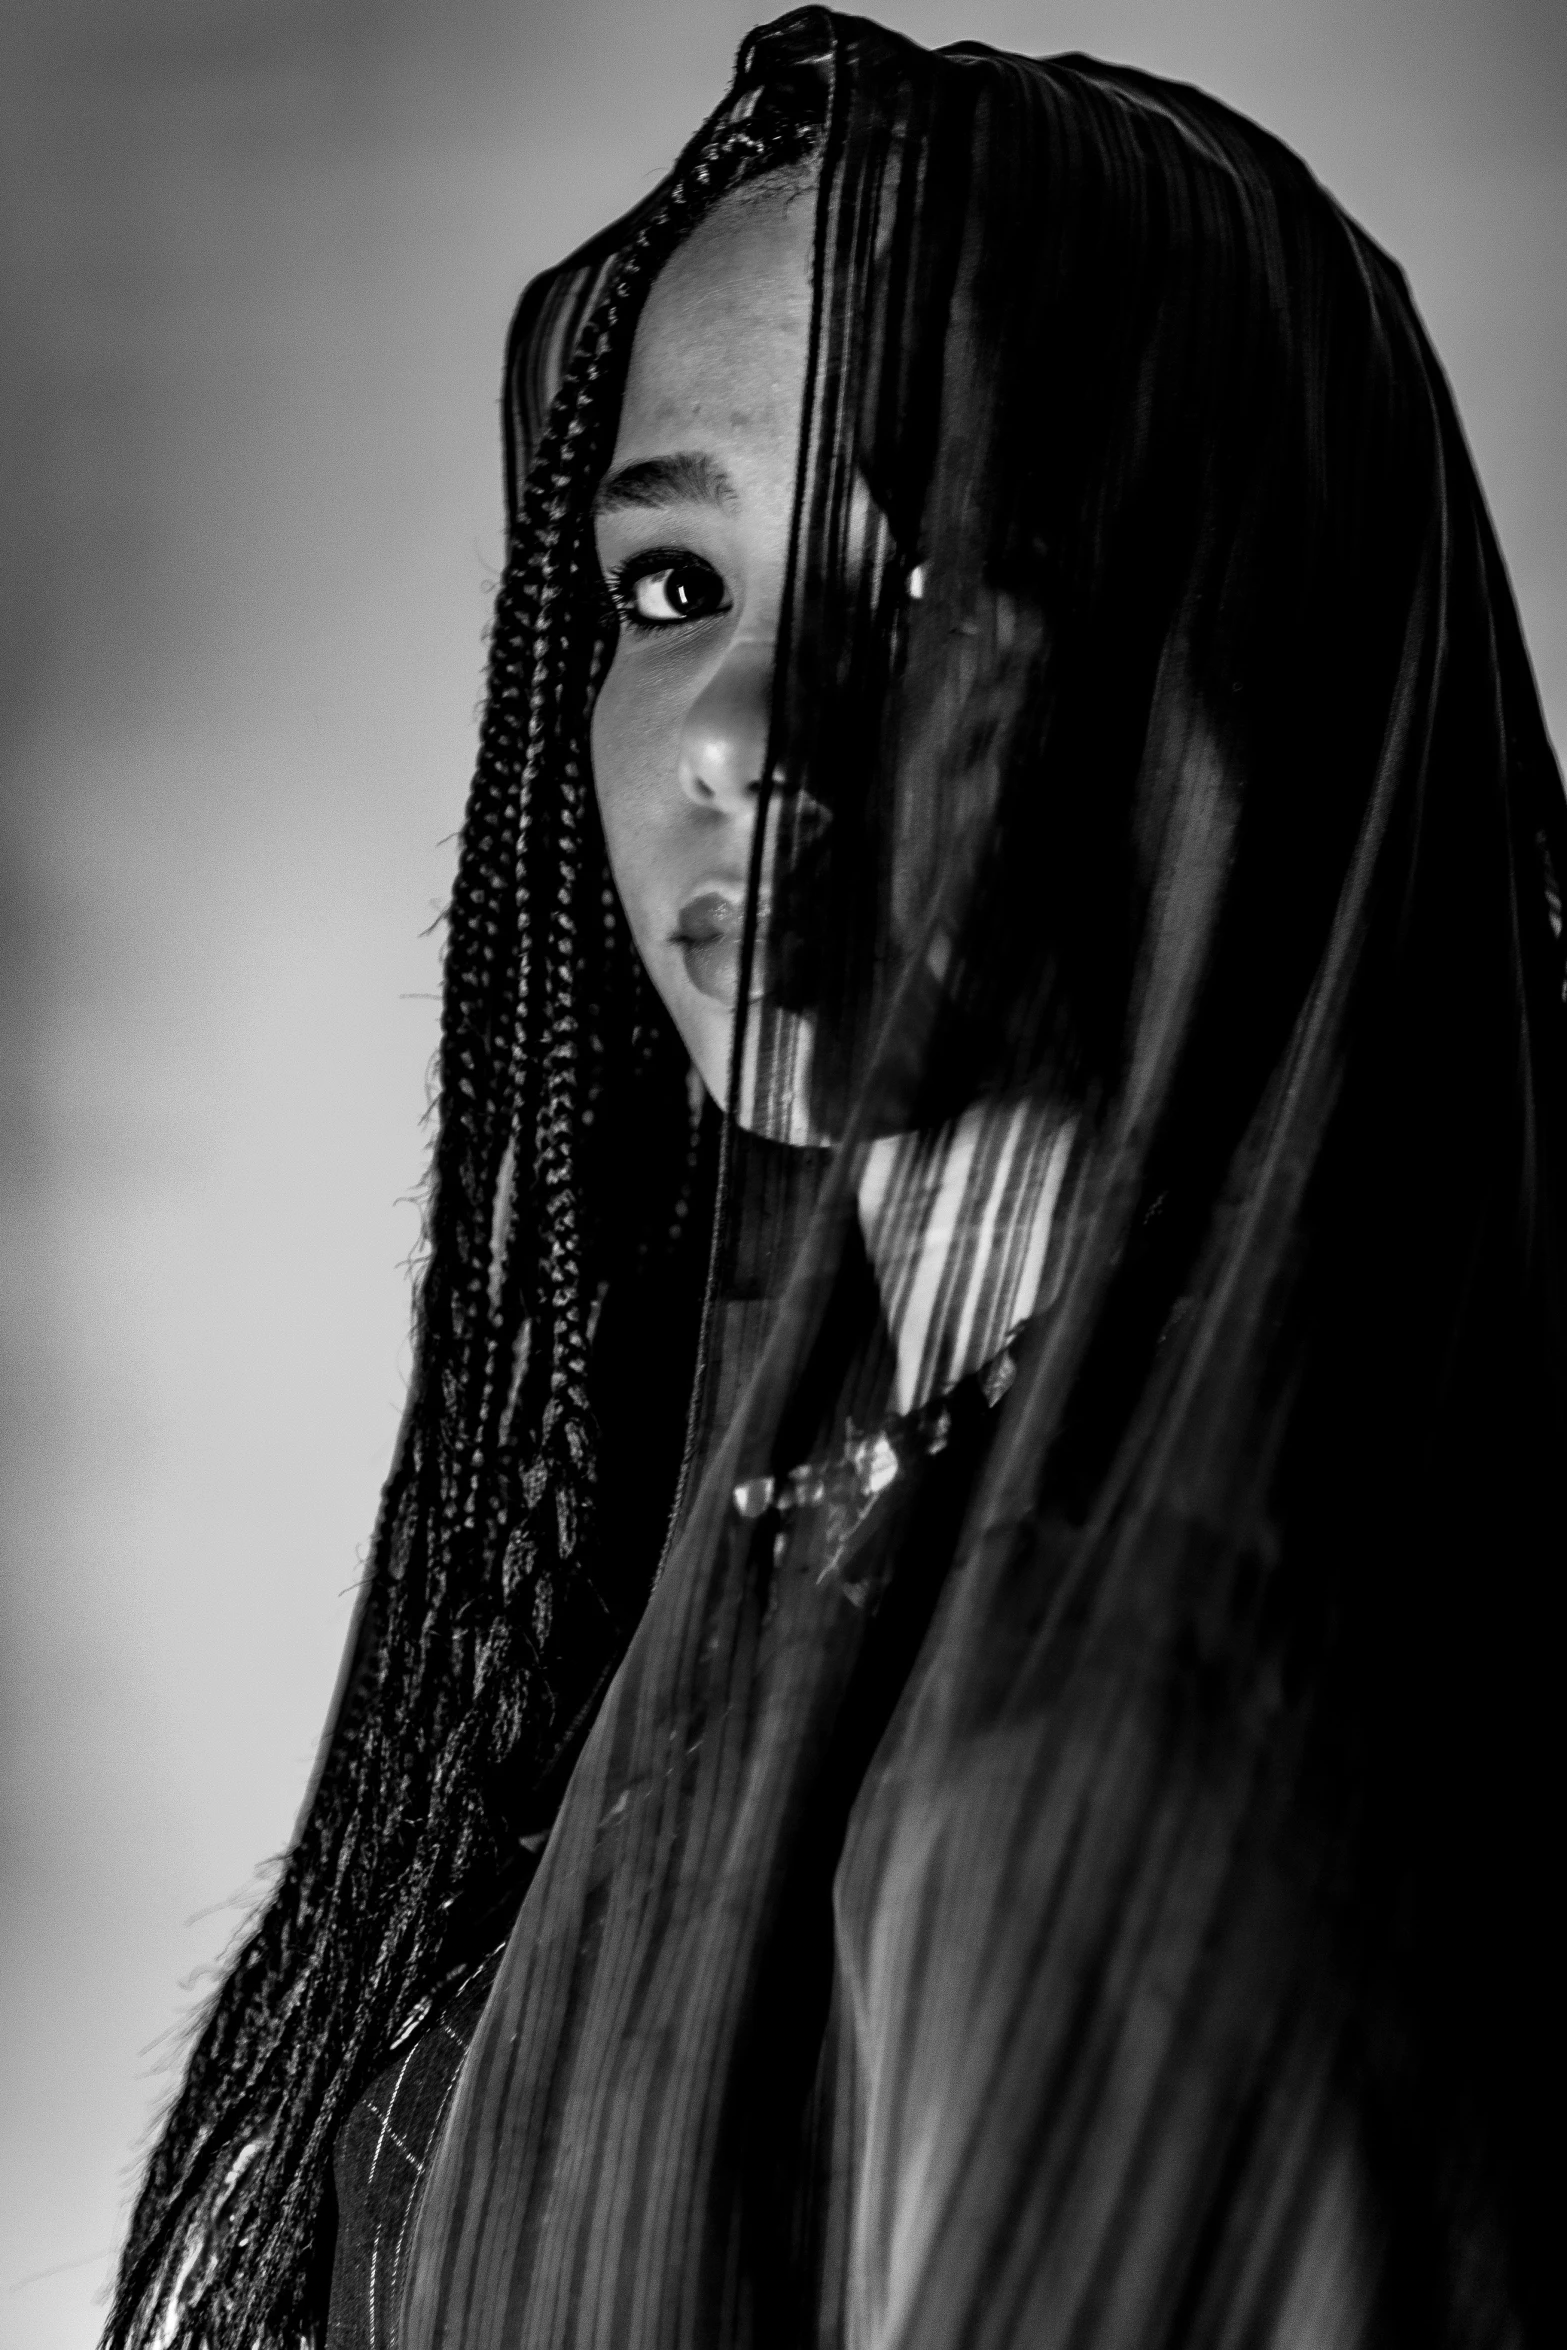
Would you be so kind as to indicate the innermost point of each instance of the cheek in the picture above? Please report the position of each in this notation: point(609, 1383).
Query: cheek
point(647, 820)
point(631, 760)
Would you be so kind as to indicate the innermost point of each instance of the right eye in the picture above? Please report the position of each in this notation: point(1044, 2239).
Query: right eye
point(667, 591)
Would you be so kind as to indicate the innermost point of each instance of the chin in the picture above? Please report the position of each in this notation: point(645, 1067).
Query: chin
point(772, 1102)
point(708, 1036)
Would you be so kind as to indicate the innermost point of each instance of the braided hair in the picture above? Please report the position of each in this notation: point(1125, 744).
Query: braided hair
point(488, 1621)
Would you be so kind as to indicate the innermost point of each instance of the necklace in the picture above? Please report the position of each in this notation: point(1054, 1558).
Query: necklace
point(845, 1487)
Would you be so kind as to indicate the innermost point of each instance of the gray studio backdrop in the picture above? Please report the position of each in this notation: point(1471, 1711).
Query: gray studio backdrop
point(258, 257)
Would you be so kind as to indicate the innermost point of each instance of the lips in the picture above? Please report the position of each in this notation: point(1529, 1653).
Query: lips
point(709, 931)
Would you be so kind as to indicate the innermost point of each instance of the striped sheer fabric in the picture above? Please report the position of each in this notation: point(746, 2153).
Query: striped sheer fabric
point(957, 1227)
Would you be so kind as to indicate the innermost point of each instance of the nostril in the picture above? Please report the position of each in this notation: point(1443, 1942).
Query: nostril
point(715, 776)
point(724, 736)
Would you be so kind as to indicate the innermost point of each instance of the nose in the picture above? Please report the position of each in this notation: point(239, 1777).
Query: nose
point(724, 739)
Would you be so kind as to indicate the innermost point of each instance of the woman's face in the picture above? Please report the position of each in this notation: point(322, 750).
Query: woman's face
point(692, 522)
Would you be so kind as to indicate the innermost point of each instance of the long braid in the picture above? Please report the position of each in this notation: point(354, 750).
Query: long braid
point(486, 1518)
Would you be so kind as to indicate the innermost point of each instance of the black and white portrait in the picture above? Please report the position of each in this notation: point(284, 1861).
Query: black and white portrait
point(786, 1175)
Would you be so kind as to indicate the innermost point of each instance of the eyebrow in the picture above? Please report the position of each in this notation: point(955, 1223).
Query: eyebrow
point(688, 477)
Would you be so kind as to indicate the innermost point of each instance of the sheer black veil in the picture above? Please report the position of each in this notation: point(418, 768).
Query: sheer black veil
point(1154, 747)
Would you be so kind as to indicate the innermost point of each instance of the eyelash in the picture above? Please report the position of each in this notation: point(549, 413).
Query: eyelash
point(624, 581)
point(620, 588)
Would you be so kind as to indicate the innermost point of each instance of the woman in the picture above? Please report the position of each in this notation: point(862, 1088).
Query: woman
point(945, 1739)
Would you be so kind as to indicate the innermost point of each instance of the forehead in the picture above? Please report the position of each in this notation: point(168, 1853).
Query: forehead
point(720, 349)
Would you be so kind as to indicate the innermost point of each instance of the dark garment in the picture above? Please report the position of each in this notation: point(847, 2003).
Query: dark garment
point(380, 2157)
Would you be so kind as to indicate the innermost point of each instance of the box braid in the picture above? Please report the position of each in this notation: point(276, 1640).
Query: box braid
point(481, 1633)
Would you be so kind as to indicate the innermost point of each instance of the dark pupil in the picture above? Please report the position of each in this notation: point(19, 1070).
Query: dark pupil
point(692, 590)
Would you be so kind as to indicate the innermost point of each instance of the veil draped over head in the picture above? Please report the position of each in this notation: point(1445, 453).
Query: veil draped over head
point(1051, 1845)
